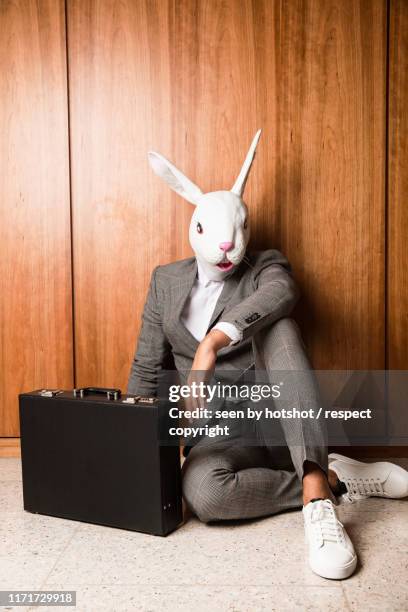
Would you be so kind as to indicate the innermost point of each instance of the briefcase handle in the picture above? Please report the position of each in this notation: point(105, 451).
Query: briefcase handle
point(111, 394)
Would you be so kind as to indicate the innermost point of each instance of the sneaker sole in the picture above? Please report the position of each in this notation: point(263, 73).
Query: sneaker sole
point(398, 468)
point(338, 573)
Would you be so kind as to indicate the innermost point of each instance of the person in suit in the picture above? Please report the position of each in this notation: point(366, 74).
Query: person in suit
point(222, 313)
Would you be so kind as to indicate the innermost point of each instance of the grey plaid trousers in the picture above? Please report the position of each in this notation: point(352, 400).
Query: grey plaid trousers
point(231, 479)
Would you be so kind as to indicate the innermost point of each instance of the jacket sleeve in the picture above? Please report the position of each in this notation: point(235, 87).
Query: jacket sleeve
point(275, 294)
point(153, 349)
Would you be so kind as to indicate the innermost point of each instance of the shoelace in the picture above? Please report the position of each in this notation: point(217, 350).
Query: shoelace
point(363, 487)
point(326, 526)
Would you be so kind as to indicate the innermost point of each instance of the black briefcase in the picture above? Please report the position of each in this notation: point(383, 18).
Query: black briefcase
point(97, 456)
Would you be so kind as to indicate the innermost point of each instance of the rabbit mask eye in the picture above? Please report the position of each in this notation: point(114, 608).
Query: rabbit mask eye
point(199, 228)
point(246, 223)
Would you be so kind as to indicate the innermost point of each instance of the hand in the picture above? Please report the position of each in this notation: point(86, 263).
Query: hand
point(206, 356)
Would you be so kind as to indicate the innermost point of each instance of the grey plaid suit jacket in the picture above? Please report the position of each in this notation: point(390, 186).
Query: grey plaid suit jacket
point(257, 294)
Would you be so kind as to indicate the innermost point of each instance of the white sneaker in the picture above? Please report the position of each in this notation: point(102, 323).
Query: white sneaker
point(362, 480)
point(331, 552)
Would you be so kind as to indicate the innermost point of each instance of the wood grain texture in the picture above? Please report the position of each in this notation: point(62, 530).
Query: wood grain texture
point(398, 188)
point(35, 270)
point(331, 175)
point(124, 221)
point(194, 80)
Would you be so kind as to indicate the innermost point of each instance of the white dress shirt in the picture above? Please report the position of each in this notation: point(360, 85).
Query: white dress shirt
point(199, 307)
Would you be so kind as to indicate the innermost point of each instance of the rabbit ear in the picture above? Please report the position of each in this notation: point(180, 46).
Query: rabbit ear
point(239, 185)
point(173, 177)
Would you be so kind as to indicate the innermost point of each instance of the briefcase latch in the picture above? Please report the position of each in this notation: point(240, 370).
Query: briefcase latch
point(138, 399)
point(50, 392)
point(147, 400)
point(130, 400)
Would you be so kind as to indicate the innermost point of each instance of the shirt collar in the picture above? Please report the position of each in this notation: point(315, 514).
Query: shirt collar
point(203, 278)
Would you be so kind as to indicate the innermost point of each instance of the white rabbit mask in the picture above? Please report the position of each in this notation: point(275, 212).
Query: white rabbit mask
point(219, 227)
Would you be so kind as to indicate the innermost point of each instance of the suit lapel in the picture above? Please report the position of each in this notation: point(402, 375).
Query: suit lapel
point(230, 285)
point(182, 292)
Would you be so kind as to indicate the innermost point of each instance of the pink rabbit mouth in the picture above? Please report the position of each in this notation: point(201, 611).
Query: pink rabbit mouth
point(225, 266)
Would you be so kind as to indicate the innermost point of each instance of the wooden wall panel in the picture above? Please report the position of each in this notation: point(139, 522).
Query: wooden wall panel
point(124, 221)
point(35, 260)
point(195, 80)
point(331, 174)
point(398, 188)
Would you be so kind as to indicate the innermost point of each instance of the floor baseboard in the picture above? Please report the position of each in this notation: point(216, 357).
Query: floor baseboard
point(10, 447)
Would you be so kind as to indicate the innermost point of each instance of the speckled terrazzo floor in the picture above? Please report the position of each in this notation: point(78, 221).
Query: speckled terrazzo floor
point(242, 567)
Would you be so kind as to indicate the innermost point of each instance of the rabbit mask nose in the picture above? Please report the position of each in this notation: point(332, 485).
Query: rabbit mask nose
point(226, 246)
